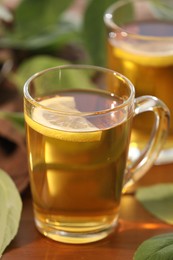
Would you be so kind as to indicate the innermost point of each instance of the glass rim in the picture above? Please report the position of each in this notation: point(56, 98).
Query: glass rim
point(108, 20)
point(35, 103)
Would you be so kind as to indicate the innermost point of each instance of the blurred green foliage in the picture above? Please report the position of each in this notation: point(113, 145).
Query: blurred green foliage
point(41, 33)
point(45, 26)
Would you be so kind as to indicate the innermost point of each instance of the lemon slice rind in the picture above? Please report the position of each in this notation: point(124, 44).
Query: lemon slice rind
point(63, 127)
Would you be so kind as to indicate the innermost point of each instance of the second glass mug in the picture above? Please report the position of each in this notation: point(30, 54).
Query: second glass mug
point(140, 46)
point(78, 127)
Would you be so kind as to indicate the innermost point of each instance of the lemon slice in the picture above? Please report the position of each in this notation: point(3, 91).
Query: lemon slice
point(64, 127)
point(146, 58)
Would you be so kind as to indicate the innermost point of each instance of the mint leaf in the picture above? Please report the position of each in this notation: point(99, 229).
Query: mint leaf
point(156, 248)
point(10, 210)
point(158, 200)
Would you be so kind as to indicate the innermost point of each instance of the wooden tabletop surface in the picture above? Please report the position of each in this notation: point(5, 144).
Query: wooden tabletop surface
point(135, 225)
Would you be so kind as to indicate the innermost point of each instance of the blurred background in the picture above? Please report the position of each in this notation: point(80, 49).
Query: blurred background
point(35, 35)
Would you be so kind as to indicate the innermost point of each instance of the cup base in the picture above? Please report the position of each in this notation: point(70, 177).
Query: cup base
point(60, 235)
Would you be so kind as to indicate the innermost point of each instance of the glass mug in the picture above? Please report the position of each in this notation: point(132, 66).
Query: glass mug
point(78, 126)
point(140, 46)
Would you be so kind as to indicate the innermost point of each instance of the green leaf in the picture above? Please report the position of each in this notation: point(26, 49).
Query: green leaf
point(33, 16)
point(32, 66)
point(158, 200)
point(10, 210)
point(65, 79)
point(33, 31)
point(156, 248)
point(71, 78)
point(16, 118)
point(95, 31)
point(56, 36)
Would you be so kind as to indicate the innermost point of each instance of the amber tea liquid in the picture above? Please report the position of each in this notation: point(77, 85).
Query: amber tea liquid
point(150, 71)
point(76, 175)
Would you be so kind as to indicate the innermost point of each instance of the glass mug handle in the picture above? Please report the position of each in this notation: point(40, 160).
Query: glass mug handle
point(138, 167)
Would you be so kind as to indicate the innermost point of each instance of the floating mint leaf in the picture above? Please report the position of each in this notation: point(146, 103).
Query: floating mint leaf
point(10, 210)
point(156, 248)
point(158, 199)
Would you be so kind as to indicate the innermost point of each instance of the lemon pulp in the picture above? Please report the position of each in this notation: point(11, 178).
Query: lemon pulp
point(62, 126)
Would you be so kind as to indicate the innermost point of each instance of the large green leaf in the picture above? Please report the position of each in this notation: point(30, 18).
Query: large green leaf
point(57, 35)
point(158, 199)
point(156, 248)
point(32, 66)
point(38, 24)
point(71, 78)
point(94, 30)
point(34, 16)
point(10, 210)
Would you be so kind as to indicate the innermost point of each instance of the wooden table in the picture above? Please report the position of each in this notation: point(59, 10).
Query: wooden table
point(135, 226)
